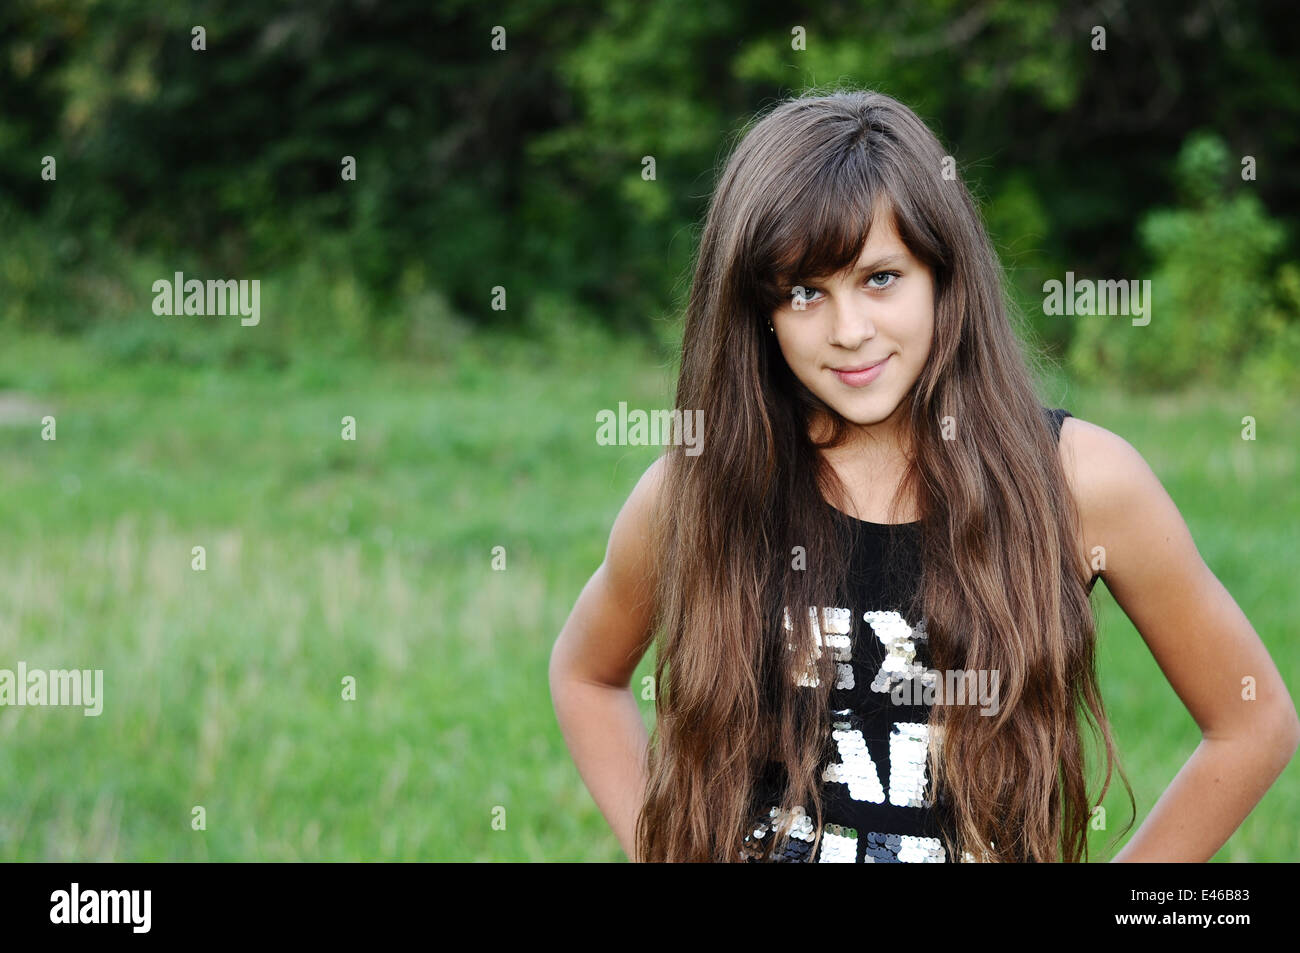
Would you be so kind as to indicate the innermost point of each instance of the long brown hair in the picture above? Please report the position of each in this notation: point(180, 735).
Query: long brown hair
point(1003, 586)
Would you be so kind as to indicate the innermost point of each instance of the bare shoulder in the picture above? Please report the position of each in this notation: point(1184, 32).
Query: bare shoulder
point(1105, 471)
point(628, 558)
point(1122, 504)
point(606, 633)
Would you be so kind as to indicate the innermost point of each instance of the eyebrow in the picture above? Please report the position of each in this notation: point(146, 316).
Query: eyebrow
point(885, 261)
point(892, 260)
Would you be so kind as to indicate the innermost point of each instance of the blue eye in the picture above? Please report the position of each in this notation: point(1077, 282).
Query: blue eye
point(802, 295)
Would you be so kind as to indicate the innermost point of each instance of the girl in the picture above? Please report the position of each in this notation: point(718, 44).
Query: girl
point(871, 588)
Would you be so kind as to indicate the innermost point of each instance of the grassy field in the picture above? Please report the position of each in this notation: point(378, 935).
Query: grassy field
point(372, 558)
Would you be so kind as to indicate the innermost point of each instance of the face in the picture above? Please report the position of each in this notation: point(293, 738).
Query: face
point(858, 340)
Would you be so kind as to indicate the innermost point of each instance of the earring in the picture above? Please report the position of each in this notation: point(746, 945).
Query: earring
point(770, 328)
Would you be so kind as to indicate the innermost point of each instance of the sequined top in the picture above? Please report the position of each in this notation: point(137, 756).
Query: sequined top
point(876, 792)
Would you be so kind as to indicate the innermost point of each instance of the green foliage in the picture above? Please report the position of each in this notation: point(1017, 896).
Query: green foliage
point(1221, 307)
point(525, 167)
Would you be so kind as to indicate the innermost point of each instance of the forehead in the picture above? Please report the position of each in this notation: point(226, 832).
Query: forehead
point(845, 245)
point(883, 241)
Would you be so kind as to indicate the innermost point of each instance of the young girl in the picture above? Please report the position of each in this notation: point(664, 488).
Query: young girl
point(871, 587)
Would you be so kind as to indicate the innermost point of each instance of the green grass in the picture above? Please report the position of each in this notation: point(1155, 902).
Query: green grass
point(328, 558)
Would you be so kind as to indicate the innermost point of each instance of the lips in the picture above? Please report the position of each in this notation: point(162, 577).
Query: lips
point(862, 374)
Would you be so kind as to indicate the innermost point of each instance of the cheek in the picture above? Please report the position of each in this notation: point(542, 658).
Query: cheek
point(925, 336)
point(799, 347)
point(920, 332)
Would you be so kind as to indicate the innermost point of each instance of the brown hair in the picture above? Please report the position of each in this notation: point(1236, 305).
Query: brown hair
point(1003, 585)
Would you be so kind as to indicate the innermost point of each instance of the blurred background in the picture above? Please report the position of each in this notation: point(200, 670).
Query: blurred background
point(497, 271)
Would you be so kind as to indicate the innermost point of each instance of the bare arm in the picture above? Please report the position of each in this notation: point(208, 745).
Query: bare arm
point(594, 659)
point(1200, 639)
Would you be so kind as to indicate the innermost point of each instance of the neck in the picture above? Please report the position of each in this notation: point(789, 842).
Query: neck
point(885, 444)
point(871, 464)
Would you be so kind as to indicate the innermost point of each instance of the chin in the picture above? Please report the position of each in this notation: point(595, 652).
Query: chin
point(866, 413)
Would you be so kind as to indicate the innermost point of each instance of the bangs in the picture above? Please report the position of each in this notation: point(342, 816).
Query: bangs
point(815, 230)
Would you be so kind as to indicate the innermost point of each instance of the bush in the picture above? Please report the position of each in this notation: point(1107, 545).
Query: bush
point(1221, 306)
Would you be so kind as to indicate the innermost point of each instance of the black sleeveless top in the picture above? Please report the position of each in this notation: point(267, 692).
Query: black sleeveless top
point(876, 791)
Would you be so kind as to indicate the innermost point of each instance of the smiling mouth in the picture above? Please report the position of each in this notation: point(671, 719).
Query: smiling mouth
point(860, 368)
point(861, 375)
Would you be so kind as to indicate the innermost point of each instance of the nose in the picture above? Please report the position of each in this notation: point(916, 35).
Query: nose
point(851, 322)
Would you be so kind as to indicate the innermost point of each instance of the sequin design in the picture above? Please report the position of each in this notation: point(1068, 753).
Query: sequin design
point(839, 844)
point(899, 640)
point(908, 747)
point(877, 751)
point(855, 767)
point(835, 637)
point(902, 849)
point(798, 846)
